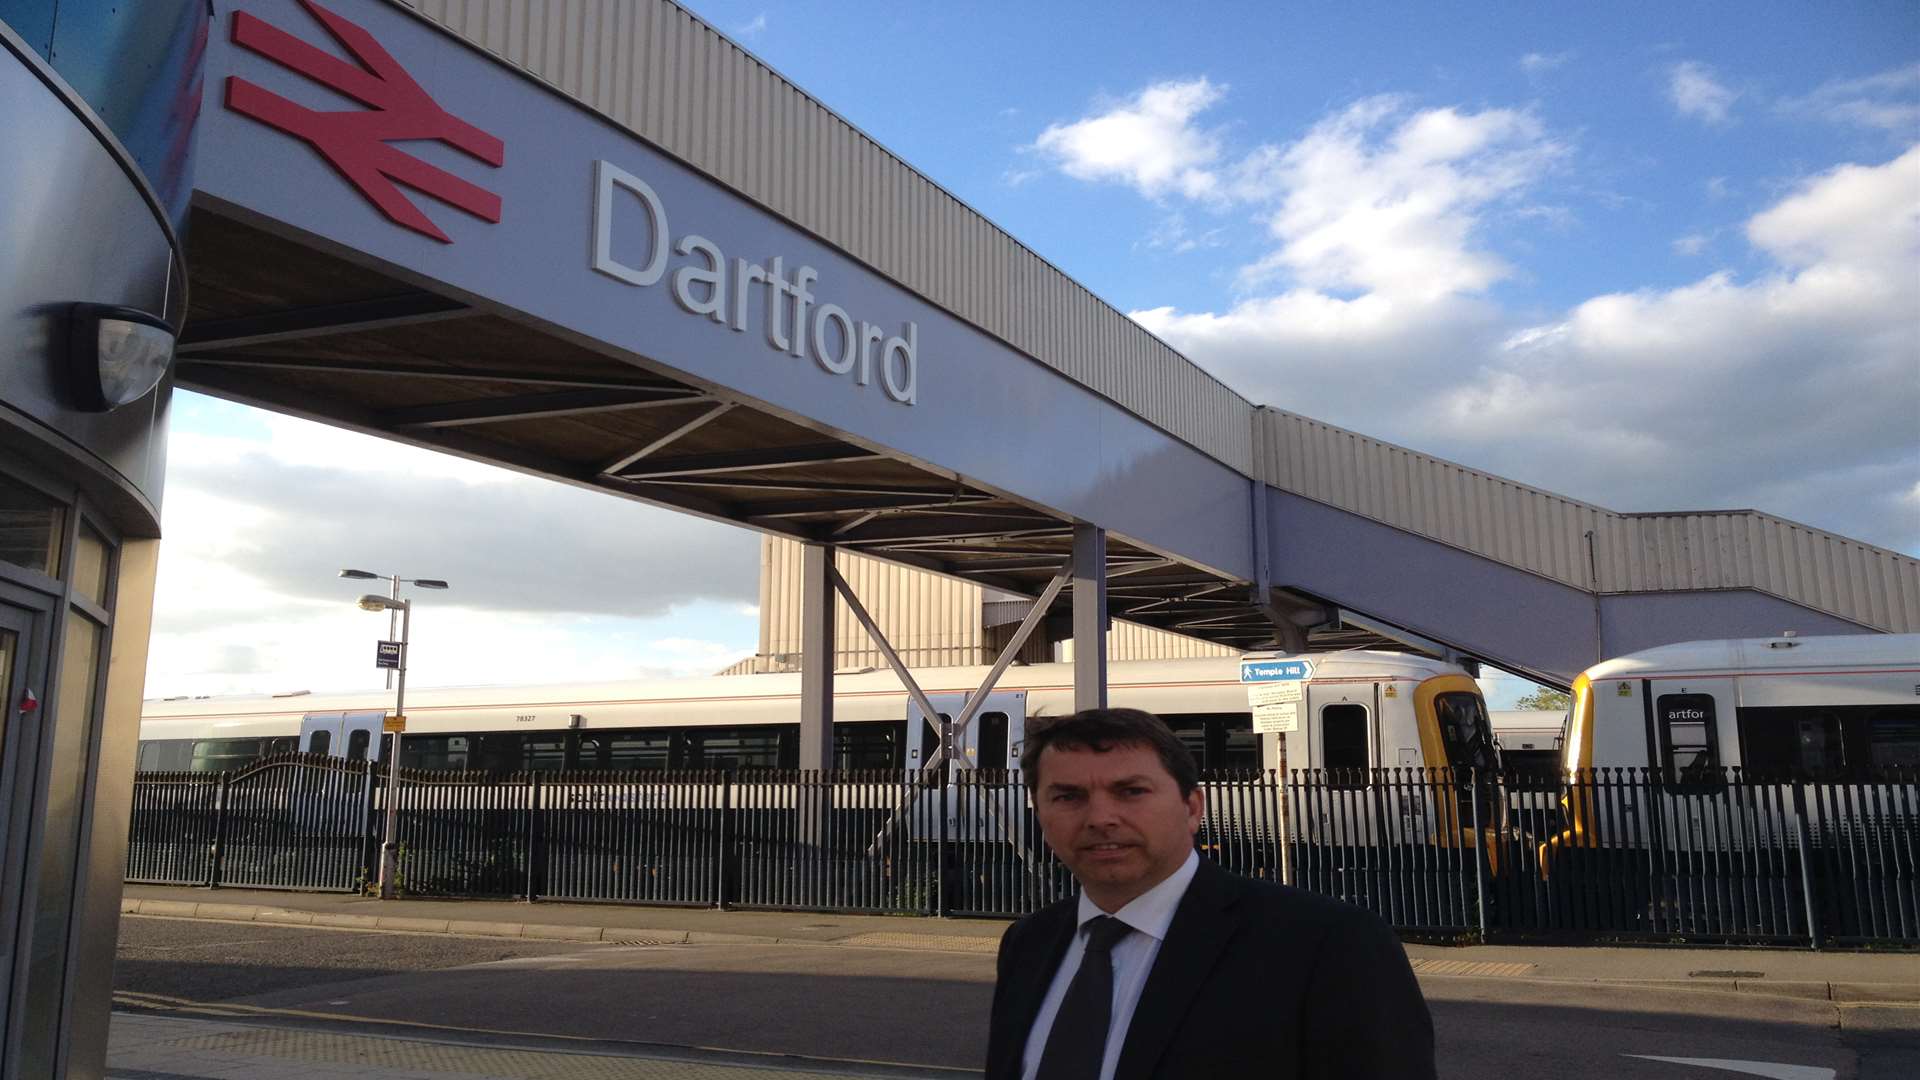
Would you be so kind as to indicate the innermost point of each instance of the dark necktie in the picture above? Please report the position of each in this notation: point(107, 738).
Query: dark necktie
point(1078, 1041)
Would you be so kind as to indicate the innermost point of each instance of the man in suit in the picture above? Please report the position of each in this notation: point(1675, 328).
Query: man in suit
point(1167, 966)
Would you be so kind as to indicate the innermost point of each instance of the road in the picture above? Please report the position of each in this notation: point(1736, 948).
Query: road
point(924, 1008)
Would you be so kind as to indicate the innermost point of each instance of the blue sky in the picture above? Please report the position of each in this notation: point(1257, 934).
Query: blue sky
point(1652, 257)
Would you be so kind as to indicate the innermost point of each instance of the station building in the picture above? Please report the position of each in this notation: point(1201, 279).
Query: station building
point(596, 241)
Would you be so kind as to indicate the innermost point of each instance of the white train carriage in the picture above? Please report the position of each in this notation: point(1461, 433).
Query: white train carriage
point(1831, 712)
point(742, 721)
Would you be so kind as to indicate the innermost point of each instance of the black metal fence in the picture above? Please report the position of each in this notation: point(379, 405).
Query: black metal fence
point(1615, 854)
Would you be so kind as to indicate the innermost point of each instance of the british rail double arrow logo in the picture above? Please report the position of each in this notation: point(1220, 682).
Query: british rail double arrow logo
point(357, 142)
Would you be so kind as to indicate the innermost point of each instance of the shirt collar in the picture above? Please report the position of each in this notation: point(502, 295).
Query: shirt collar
point(1152, 911)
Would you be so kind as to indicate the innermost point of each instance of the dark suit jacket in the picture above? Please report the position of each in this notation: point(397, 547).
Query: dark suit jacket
point(1253, 980)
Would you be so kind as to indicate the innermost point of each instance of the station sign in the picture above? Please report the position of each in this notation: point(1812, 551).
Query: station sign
point(393, 725)
point(1275, 691)
point(1260, 671)
point(386, 654)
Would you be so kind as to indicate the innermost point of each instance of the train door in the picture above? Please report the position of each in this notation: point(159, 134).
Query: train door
point(1690, 735)
point(1342, 737)
point(990, 744)
point(351, 735)
point(992, 741)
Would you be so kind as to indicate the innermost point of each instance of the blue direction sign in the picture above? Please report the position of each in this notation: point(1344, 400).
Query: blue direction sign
point(1259, 671)
point(386, 654)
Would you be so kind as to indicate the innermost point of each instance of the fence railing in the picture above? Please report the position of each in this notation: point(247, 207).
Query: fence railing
point(1608, 854)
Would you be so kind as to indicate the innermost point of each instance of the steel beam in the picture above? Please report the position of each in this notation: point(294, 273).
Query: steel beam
point(671, 437)
point(334, 367)
point(324, 321)
point(816, 656)
point(927, 712)
point(771, 457)
point(1014, 644)
point(500, 410)
point(1089, 617)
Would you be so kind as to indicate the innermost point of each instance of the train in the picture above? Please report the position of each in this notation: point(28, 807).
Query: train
point(1368, 709)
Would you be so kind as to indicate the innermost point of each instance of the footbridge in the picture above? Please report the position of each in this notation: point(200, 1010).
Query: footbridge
point(603, 244)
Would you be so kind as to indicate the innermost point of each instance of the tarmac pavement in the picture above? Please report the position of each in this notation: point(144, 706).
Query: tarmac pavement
point(1801, 973)
point(230, 1041)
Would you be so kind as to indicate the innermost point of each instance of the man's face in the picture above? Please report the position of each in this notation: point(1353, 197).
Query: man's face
point(1116, 818)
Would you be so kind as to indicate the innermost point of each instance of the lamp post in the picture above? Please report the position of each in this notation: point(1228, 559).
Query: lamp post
point(394, 593)
point(390, 842)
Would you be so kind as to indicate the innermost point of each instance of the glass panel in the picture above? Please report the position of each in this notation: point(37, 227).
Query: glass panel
point(321, 742)
point(734, 748)
point(9, 698)
point(1464, 730)
point(865, 745)
point(357, 743)
point(546, 753)
point(91, 558)
point(215, 755)
point(30, 528)
point(1895, 738)
point(1343, 737)
point(71, 753)
point(993, 741)
point(1687, 733)
point(638, 749)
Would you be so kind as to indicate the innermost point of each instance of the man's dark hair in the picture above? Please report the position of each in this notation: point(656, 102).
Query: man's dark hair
point(1100, 730)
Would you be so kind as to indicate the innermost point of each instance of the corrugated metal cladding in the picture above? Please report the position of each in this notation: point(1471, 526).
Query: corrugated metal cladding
point(930, 620)
point(1547, 533)
point(675, 81)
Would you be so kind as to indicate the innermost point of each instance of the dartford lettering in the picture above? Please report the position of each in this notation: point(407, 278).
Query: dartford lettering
point(797, 323)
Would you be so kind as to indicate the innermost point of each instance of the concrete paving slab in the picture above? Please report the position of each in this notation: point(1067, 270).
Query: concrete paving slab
point(418, 926)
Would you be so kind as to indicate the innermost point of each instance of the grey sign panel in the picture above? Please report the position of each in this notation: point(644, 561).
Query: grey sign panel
point(979, 409)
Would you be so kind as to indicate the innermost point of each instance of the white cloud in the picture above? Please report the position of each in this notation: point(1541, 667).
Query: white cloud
point(1147, 141)
point(1692, 244)
point(1384, 199)
point(1889, 100)
point(1696, 93)
point(549, 582)
point(1717, 187)
point(753, 26)
point(1537, 64)
point(1793, 390)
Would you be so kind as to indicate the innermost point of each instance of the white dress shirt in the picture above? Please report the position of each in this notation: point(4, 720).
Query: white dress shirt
point(1149, 914)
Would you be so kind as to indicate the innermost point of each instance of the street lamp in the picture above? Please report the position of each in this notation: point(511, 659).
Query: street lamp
point(403, 609)
point(394, 593)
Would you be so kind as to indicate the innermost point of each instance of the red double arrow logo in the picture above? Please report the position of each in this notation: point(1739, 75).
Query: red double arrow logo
point(357, 141)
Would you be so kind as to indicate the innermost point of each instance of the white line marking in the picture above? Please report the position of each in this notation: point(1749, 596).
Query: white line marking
point(1772, 1069)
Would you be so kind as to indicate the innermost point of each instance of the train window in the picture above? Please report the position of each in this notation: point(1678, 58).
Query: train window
point(544, 753)
point(1464, 730)
point(1343, 737)
point(321, 742)
point(215, 755)
point(283, 744)
point(1689, 739)
point(637, 749)
point(1239, 747)
point(992, 740)
point(434, 752)
point(1801, 743)
point(166, 755)
point(866, 745)
point(357, 743)
point(734, 748)
point(1894, 738)
point(1532, 770)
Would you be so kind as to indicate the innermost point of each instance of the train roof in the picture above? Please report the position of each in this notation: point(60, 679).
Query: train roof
point(1841, 652)
point(1142, 673)
point(1370, 664)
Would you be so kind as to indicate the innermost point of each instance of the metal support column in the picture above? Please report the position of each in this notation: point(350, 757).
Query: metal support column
point(816, 657)
point(1089, 617)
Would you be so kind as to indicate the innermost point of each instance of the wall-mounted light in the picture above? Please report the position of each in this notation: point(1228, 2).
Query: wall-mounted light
point(117, 355)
